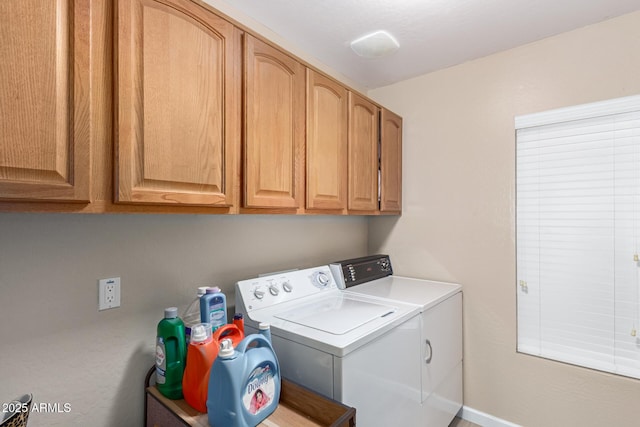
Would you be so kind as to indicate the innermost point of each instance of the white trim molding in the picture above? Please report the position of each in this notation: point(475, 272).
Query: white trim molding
point(483, 419)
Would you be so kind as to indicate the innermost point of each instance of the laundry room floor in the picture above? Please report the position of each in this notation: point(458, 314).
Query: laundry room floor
point(459, 422)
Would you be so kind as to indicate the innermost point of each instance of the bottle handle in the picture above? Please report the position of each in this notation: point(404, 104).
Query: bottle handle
point(262, 342)
point(230, 331)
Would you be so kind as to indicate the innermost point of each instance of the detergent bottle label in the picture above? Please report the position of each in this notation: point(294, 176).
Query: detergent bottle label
point(217, 313)
point(260, 390)
point(161, 365)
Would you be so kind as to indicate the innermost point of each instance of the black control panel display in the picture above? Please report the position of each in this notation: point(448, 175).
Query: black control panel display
point(365, 269)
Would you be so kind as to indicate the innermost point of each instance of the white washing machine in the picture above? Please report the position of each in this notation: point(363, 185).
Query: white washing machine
point(440, 307)
point(357, 349)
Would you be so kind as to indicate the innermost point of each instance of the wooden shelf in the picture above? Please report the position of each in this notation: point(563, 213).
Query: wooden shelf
point(299, 407)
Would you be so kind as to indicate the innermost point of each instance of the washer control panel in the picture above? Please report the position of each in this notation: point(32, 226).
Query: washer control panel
point(282, 287)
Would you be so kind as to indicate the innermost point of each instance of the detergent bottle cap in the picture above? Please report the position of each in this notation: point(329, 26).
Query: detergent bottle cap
point(213, 290)
point(200, 332)
point(264, 326)
point(171, 312)
point(226, 349)
point(202, 290)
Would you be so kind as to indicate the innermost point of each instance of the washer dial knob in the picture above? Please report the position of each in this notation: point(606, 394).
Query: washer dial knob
point(287, 287)
point(321, 279)
point(273, 290)
point(258, 294)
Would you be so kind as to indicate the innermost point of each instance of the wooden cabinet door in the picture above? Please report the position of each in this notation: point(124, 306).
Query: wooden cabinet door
point(363, 154)
point(327, 133)
point(178, 89)
point(274, 115)
point(390, 162)
point(45, 100)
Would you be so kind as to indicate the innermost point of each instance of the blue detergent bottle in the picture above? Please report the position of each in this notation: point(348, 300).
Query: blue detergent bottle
point(244, 384)
point(213, 308)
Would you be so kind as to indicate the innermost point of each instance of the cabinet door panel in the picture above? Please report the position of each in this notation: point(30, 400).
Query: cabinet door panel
point(44, 98)
point(274, 127)
point(327, 134)
point(177, 116)
point(391, 162)
point(363, 154)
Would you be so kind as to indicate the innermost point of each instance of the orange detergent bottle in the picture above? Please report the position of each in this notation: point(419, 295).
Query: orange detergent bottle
point(201, 353)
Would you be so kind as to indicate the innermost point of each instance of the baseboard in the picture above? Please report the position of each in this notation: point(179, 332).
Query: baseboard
point(483, 419)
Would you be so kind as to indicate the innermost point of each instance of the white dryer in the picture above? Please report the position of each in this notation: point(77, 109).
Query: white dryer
point(357, 349)
point(440, 305)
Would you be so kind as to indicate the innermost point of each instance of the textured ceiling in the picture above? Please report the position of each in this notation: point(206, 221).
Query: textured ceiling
point(433, 34)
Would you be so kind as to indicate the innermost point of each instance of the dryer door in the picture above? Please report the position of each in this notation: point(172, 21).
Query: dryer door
point(382, 378)
point(441, 343)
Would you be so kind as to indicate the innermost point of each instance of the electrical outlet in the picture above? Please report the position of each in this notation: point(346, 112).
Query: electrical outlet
point(108, 293)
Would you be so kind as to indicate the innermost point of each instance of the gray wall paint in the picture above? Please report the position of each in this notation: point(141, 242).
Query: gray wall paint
point(55, 343)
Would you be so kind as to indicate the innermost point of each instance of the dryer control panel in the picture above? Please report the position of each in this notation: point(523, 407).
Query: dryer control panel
point(355, 271)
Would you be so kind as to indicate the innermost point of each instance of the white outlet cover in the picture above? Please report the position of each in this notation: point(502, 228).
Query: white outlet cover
point(108, 293)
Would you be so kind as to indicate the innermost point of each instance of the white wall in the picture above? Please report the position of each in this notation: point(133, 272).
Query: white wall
point(54, 342)
point(458, 221)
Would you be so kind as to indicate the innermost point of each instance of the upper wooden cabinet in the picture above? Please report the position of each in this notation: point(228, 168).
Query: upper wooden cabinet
point(274, 116)
point(363, 154)
point(327, 133)
point(168, 106)
point(390, 162)
point(178, 104)
point(46, 99)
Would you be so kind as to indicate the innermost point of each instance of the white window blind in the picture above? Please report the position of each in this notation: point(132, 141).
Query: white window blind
point(578, 235)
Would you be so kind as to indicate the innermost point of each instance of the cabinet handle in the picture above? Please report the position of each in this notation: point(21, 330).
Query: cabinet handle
point(428, 359)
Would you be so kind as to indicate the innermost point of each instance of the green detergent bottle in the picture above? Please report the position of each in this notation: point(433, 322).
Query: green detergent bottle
point(171, 352)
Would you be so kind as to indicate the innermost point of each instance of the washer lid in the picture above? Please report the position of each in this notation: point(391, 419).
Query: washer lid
point(360, 326)
point(336, 315)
